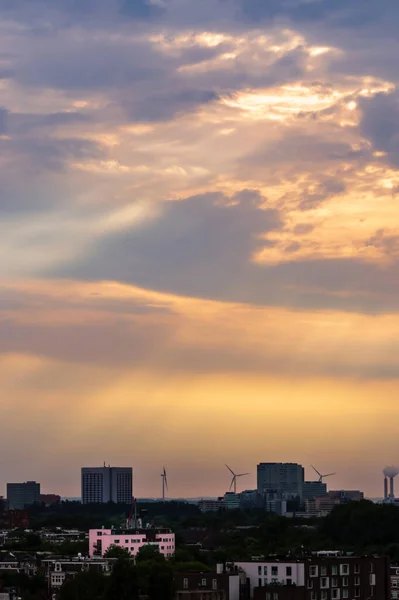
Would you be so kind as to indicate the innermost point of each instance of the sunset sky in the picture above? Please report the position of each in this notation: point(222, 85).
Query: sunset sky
point(200, 240)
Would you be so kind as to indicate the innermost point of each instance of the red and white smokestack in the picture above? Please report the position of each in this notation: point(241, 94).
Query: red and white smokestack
point(385, 488)
point(391, 488)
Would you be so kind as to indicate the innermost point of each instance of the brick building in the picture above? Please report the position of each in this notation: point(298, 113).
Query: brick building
point(219, 585)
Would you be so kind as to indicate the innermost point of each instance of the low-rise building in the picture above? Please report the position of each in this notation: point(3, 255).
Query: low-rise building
point(132, 540)
point(323, 576)
point(394, 581)
point(59, 569)
point(213, 585)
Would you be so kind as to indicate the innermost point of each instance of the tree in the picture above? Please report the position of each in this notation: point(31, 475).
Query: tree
point(88, 585)
point(149, 552)
point(117, 552)
point(123, 581)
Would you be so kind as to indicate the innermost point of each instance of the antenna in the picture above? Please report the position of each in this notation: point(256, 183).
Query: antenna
point(164, 483)
point(233, 483)
point(321, 477)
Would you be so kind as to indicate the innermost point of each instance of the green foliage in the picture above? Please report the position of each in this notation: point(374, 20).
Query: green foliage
point(150, 553)
point(123, 582)
point(88, 585)
point(117, 552)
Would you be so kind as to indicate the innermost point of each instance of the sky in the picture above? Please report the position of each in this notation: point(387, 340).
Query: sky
point(200, 240)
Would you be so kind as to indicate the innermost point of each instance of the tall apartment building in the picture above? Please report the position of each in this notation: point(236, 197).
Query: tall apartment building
point(314, 489)
point(107, 484)
point(21, 495)
point(286, 479)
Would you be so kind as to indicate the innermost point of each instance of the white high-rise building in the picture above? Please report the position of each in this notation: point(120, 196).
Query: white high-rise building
point(107, 484)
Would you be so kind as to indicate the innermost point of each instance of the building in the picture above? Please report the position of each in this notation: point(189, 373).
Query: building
point(132, 540)
point(232, 501)
point(18, 519)
point(211, 505)
point(314, 489)
point(347, 495)
point(394, 581)
point(107, 484)
point(58, 569)
point(286, 479)
point(50, 499)
point(217, 585)
point(324, 576)
point(22, 495)
point(272, 572)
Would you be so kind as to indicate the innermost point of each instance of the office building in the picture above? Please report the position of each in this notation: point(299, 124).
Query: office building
point(107, 484)
point(232, 501)
point(314, 489)
point(22, 495)
point(286, 479)
point(131, 539)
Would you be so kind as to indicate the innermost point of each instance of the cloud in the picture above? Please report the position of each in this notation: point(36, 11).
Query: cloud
point(380, 123)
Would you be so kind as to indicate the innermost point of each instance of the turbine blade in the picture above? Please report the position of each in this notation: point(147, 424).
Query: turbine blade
point(232, 482)
point(314, 469)
point(328, 474)
point(230, 470)
point(242, 474)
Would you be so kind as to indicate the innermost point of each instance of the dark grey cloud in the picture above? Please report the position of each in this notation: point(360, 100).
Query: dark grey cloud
point(165, 105)
point(380, 123)
point(3, 121)
point(202, 247)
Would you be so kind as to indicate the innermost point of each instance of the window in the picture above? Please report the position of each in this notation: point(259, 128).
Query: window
point(334, 582)
point(344, 581)
point(214, 584)
point(371, 567)
point(357, 568)
point(324, 583)
point(372, 578)
point(259, 570)
point(265, 581)
point(371, 591)
point(259, 582)
point(323, 571)
point(126, 541)
point(117, 542)
point(344, 569)
point(335, 594)
point(288, 571)
point(204, 582)
point(185, 583)
point(274, 570)
point(268, 596)
point(265, 571)
point(99, 533)
point(313, 596)
point(57, 567)
point(357, 580)
point(289, 581)
point(313, 571)
point(310, 584)
point(357, 592)
point(345, 594)
point(275, 596)
point(334, 570)
point(323, 595)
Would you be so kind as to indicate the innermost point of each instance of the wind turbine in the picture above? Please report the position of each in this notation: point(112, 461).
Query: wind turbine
point(321, 477)
point(164, 483)
point(234, 480)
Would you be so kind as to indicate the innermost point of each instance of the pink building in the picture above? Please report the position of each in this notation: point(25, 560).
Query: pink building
point(131, 539)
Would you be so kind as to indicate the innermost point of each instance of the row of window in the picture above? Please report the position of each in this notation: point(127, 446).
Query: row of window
point(274, 571)
point(274, 580)
point(344, 569)
point(203, 583)
point(337, 594)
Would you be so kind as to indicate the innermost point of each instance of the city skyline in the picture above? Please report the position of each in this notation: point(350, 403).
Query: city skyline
point(148, 488)
point(200, 240)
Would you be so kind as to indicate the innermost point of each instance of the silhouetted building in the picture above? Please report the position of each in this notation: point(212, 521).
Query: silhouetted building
point(314, 489)
point(286, 479)
point(22, 495)
point(18, 519)
point(107, 484)
point(49, 499)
